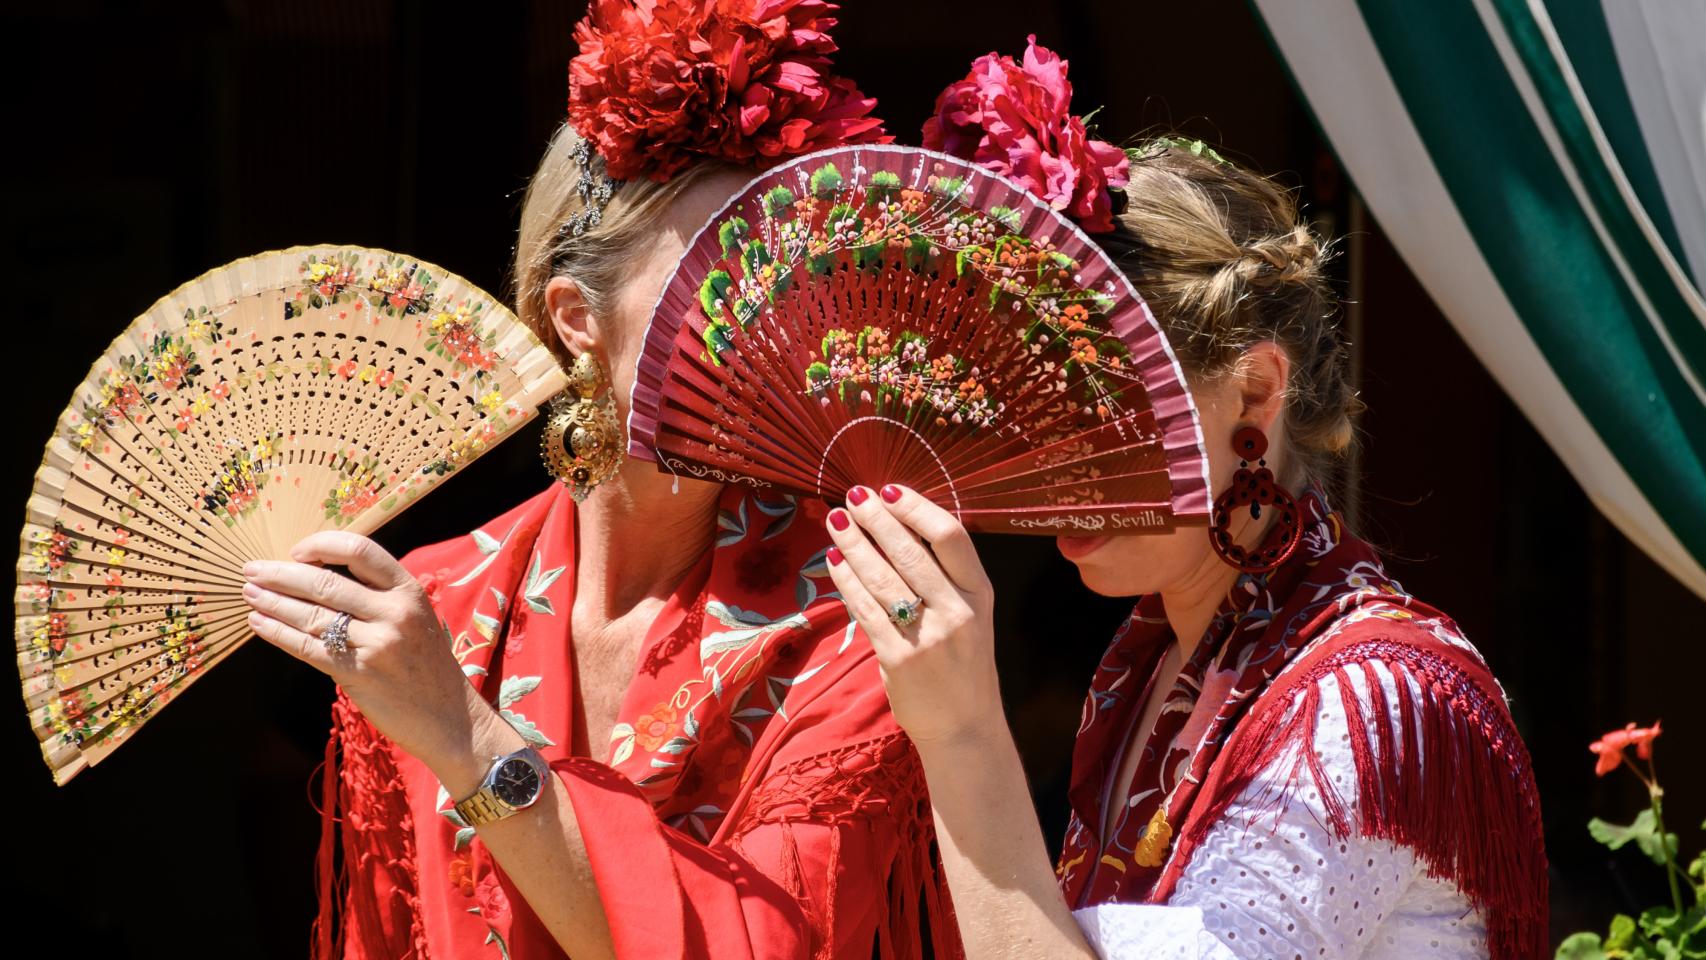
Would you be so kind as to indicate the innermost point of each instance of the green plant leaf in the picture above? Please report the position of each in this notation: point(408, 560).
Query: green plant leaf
point(1622, 932)
point(1664, 923)
point(1580, 946)
point(1643, 831)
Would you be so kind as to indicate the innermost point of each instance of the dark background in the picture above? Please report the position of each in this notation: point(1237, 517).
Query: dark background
point(151, 142)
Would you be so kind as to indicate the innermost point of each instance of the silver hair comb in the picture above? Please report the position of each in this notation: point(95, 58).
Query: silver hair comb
point(594, 190)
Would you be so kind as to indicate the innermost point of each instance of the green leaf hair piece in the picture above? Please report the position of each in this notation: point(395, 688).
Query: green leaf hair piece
point(1195, 148)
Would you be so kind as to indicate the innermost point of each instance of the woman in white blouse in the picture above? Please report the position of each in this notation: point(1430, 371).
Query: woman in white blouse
point(1282, 754)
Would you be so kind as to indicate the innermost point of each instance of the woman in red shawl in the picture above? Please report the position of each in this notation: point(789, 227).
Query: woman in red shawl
point(1282, 754)
point(728, 780)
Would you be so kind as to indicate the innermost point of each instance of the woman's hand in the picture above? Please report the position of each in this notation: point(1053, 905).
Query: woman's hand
point(939, 669)
point(398, 667)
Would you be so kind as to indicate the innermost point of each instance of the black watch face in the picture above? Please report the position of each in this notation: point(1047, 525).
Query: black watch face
point(516, 783)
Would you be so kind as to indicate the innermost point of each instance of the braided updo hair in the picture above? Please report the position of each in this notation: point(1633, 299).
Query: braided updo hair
point(1223, 260)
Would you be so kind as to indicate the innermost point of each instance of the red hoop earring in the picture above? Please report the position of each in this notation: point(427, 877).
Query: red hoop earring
point(1255, 488)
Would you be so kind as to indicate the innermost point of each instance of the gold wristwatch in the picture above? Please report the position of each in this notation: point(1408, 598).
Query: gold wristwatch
point(513, 784)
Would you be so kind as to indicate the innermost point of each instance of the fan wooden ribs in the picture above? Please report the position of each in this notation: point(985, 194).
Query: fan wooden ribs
point(872, 315)
point(297, 391)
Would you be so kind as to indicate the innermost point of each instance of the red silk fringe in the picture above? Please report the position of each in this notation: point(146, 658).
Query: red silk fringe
point(361, 781)
point(1450, 780)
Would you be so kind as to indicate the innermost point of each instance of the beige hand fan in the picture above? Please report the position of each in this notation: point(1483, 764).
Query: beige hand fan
point(308, 389)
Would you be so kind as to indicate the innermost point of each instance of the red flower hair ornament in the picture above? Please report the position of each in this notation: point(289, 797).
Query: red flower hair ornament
point(660, 83)
point(1014, 118)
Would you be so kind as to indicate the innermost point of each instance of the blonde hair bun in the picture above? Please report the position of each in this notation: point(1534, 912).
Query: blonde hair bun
point(1225, 260)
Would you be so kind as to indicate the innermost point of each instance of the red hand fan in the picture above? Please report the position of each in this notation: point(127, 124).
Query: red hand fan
point(881, 314)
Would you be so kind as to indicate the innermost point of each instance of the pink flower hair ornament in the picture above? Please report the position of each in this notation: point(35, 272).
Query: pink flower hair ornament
point(659, 83)
point(1014, 118)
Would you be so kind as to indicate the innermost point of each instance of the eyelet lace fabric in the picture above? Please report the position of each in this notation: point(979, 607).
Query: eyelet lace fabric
point(1276, 883)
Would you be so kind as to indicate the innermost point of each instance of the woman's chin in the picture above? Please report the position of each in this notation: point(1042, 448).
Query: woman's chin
point(1078, 549)
point(1105, 564)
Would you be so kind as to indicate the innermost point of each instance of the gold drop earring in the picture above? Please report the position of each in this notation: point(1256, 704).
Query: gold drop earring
point(582, 445)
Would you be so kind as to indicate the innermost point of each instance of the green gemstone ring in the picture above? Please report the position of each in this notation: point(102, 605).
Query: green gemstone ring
point(903, 613)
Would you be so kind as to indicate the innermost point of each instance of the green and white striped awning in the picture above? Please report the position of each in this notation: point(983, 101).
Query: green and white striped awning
point(1541, 167)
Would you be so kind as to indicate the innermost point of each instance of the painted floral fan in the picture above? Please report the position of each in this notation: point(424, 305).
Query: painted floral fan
point(881, 314)
point(313, 388)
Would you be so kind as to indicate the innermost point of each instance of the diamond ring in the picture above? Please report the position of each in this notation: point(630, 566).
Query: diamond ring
point(336, 636)
point(904, 613)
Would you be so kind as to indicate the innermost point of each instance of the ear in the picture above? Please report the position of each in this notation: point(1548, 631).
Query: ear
point(1261, 376)
point(566, 307)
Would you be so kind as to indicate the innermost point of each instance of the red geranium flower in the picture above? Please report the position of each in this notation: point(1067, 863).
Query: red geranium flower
point(1611, 746)
point(1014, 118)
point(659, 83)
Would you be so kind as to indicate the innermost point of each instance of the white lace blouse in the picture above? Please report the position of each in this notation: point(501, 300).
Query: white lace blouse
point(1280, 886)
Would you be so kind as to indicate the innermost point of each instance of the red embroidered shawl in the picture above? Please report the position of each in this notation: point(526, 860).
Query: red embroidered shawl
point(759, 800)
point(1452, 780)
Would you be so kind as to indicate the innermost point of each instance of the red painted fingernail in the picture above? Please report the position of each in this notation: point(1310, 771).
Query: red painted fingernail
point(891, 493)
point(834, 556)
point(857, 495)
point(839, 519)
